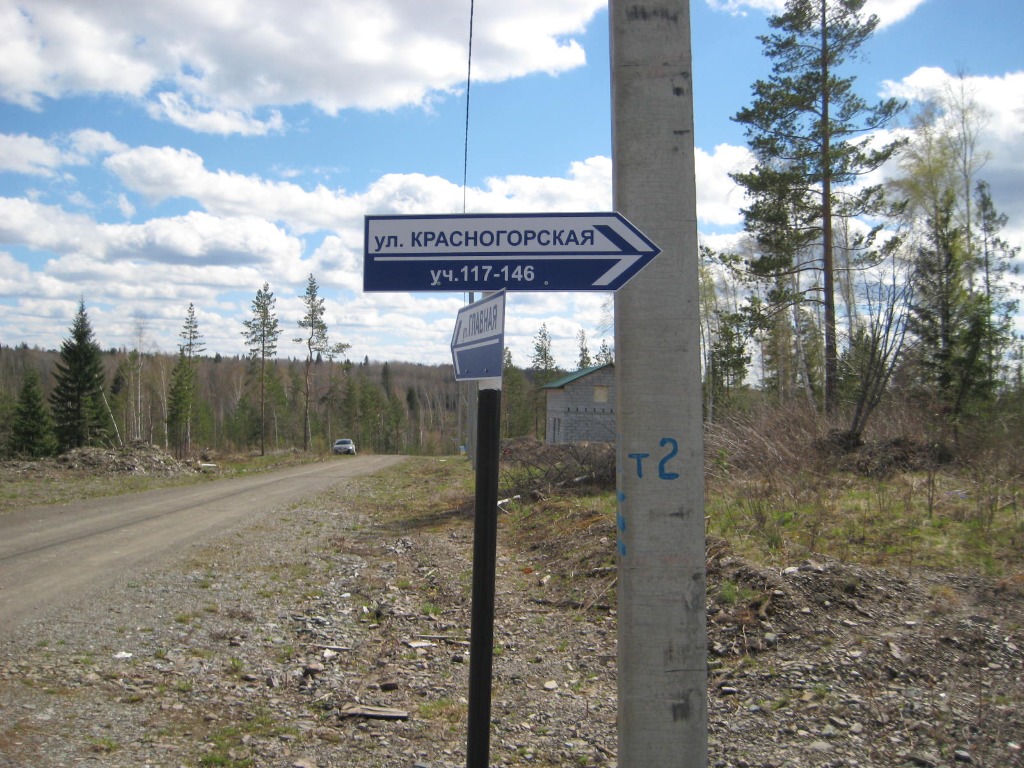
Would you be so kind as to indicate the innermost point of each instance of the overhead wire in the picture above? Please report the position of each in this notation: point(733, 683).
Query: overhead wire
point(469, 76)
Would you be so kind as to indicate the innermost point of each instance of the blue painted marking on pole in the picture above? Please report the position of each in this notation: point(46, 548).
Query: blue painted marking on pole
point(663, 473)
point(639, 459)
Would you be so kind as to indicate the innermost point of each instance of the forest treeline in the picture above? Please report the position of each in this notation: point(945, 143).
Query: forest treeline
point(384, 407)
point(192, 404)
point(852, 293)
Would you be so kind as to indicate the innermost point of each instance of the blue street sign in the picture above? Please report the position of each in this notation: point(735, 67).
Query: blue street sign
point(515, 252)
point(478, 343)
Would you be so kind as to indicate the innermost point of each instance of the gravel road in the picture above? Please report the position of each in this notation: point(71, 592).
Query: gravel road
point(331, 632)
point(51, 555)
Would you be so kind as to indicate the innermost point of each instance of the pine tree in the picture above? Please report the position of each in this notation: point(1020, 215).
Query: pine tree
point(32, 428)
point(728, 362)
point(77, 397)
point(808, 132)
point(191, 341)
point(261, 334)
point(317, 345)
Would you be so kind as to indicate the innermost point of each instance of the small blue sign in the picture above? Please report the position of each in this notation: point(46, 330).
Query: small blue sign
point(514, 252)
point(478, 343)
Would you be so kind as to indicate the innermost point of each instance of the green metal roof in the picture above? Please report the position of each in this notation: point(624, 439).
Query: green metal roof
point(575, 375)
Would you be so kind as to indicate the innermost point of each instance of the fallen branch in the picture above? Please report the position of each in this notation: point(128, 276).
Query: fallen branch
point(375, 713)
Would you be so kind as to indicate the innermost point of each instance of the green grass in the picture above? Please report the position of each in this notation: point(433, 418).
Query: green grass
point(953, 519)
point(952, 522)
point(445, 710)
point(103, 745)
point(226, 745)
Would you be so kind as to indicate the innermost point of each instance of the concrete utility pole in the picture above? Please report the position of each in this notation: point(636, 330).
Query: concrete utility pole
point(662, 657)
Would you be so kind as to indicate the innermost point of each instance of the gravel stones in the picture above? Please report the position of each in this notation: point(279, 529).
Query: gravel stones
point(324, 636)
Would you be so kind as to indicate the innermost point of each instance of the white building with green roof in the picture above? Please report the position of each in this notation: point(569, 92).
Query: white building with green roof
point(581, 406)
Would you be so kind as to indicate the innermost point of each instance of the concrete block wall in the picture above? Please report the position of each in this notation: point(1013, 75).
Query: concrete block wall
point(583, 410)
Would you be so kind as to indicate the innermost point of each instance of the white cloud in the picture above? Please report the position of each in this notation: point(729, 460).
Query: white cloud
point(197, 239)
point(1000, 97)
point(44, 227)
point(176, 108)
point(741, 7)
point(214, 66)
point(201, 239)
point(33, 155)
point(52, 49)
point(588, 187)
point(891, 11)
point(248, 232)
point(125, 206)
point(719, 198)
point(165, 173)
point(30, 155)
point(888, 11)
point(16, 279)
point(1000, 101)
point(91, 143)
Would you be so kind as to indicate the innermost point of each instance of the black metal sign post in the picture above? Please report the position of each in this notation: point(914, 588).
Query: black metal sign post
point(485, 548)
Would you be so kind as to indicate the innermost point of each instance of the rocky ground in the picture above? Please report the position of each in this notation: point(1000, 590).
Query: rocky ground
point(336, 634)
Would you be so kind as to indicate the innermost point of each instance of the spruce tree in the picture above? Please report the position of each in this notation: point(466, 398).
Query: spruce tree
point(180, 399)
point(543, 360)
point(182, 396)
point(32, 428)
point(584, 361)
point(544, 372)
point(77, 397)
point(192, 343)
point(950, 321)
point(517, 411)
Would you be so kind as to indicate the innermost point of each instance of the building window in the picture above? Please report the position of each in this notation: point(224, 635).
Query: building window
point(600, 393)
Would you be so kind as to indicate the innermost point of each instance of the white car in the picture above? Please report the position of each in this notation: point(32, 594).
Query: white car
point(344, 445)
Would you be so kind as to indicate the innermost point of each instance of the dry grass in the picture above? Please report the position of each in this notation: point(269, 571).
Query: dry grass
point(99, 472)
point(779, 492)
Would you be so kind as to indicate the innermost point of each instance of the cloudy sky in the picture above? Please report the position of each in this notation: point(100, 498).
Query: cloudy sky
point(160, 153)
